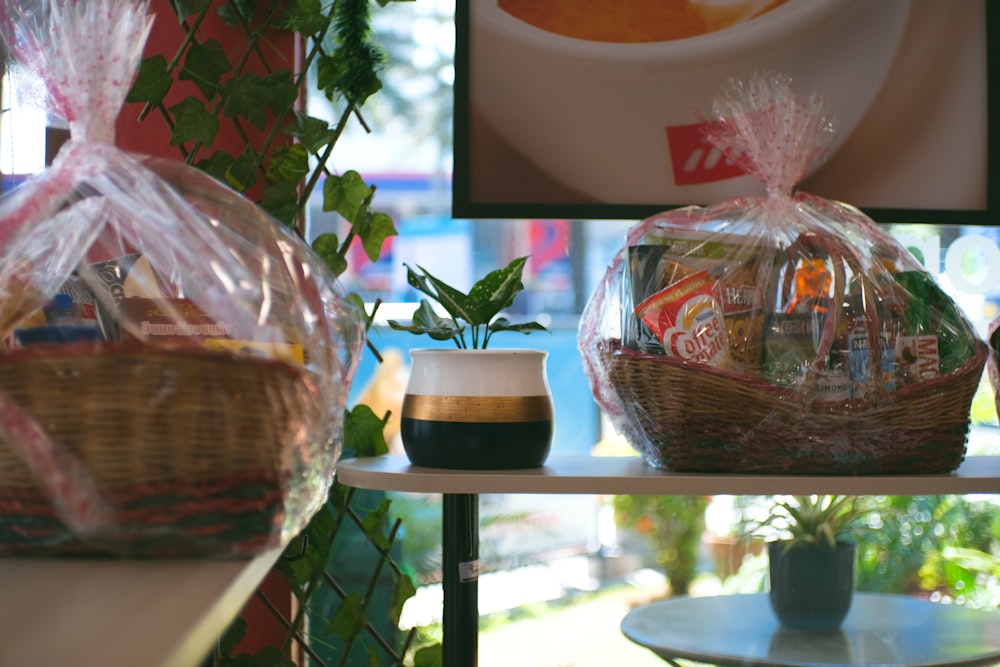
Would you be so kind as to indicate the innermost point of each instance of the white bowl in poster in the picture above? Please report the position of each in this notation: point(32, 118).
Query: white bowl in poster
point(596, 116)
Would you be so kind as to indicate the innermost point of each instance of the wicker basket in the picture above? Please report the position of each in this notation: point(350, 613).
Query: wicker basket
point(196, 452)
point(701, 419)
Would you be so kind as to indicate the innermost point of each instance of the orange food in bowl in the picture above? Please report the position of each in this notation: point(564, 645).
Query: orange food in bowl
point(632, 20)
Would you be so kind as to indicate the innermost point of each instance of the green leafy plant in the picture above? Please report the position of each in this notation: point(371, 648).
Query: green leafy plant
point(673, 526)
point(476, 312)
point(814, 520)
point(933, 544)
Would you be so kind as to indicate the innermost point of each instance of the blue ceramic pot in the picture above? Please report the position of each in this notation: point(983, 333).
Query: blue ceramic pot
point(811, 585)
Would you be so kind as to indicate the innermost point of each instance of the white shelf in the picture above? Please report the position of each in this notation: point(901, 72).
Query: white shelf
point(630, 475)
point(106, 612)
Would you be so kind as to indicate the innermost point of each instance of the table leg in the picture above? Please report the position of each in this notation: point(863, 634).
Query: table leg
point(460, 547)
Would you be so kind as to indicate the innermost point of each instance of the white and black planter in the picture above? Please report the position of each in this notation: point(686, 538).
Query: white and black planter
point(477, 409)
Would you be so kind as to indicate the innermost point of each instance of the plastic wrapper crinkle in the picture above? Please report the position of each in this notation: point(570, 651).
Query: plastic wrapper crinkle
point(993, 360)
point(778, 333)
point(175, 364)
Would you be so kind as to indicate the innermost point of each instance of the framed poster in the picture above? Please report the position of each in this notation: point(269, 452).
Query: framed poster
point(552, 126)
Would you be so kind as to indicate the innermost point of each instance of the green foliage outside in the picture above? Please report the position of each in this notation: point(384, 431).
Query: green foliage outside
point(945, 544)
point(673, 525)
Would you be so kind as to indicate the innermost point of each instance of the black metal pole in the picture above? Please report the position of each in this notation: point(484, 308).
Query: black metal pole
point(460, 550)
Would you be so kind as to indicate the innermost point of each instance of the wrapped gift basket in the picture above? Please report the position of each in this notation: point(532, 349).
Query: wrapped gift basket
point(780, 333)
point(175, 363)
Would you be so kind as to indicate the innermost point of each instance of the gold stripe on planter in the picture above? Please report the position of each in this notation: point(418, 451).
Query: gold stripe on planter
point(477, 408)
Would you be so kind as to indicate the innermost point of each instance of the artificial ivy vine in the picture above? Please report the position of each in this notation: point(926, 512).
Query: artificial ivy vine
point(281, 172)
point(347, 63)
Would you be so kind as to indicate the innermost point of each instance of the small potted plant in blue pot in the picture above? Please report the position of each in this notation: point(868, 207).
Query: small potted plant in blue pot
point(812, 564)
point(470, 407)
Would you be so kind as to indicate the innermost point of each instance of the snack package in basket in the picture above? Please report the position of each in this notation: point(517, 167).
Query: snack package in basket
point(175, 363)
point(778, 333)
point(993, 359)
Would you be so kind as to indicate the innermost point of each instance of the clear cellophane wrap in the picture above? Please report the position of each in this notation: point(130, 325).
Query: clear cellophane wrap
point(781, 332)
point(175, 362)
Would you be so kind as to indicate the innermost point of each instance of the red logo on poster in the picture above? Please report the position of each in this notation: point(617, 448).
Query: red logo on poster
point(694, 159)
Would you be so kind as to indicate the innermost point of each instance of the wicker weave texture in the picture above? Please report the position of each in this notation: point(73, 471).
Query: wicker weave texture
point(695, 419)
point(195, 451)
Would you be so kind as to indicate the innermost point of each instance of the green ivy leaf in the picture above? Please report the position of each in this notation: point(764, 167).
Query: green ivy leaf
point(428, 323)
point(373, 525)
point(217, 165)
point(339, 495)
point(281, 200)
point(379, 227)
point(246, 96)
point(152, 83)
point(303, 16)
point(242, 173)
point(192, 122)
point(363, 432)
point(346, 194)
point(236, 12)
point(401, 592)
point(327, 71)
point(186, 8)
point(327, 246)
point(429, 656)
point(205, 64)
point(355, 300)
point(314, 133)
point(282, 91)
point(305, 566)
point(288, 163)
point(350, 618)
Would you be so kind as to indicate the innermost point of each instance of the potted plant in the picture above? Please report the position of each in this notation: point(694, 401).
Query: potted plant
point(472, 407)
point(811, 563)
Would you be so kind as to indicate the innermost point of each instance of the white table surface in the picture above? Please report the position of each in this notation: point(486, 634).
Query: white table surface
point(80, 612)
point(630, 475)
point(886, 630)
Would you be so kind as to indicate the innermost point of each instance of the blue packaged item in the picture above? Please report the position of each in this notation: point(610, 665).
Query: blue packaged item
point(58, 334)
point(61, 310)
